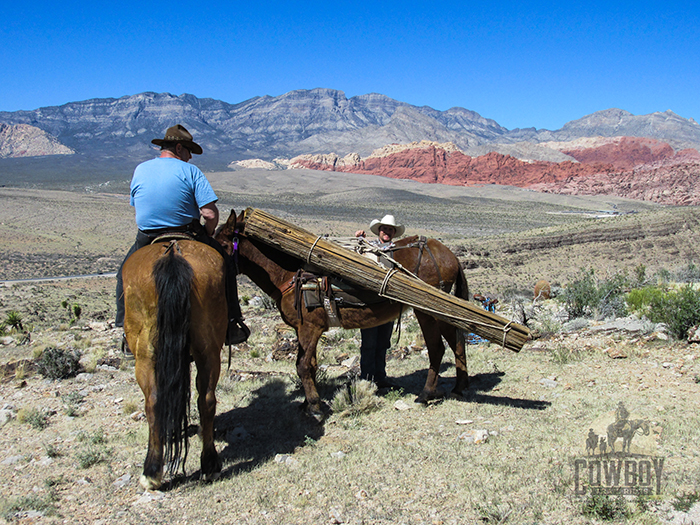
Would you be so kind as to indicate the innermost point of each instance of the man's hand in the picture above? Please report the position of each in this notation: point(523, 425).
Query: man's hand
point(211, 217)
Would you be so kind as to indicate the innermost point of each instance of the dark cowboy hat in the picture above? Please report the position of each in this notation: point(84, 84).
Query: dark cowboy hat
point(178, 133)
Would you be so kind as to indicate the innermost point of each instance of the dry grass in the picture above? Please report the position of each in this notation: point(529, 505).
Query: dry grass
point(381, 466)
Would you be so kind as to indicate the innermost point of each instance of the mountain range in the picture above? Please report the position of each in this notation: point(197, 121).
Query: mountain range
point(108, 136)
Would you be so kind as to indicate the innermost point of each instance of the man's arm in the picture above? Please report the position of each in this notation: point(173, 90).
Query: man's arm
point(211, 217)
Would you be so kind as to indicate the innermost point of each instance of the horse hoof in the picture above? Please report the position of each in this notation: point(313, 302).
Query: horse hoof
point(426, 396)
point(212, 476)
point(149, 483)
point(458, 393)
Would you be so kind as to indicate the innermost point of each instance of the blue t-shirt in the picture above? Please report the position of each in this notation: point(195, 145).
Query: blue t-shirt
point(168, 192)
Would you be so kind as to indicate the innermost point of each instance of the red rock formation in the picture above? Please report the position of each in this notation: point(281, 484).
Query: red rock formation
point(623, 153)
point(634, 168)
point(434, 164)
point(673, 181)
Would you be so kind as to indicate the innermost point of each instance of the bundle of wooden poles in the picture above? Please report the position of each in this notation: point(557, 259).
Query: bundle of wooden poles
point(393, 284)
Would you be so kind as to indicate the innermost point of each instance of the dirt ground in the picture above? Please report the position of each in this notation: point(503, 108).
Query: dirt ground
point(72, 450)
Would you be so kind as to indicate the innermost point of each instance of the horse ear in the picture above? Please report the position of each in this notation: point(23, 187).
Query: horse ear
point(231, 221)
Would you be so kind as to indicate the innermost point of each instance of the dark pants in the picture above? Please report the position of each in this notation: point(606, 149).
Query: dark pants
point(375, 342)
point(144, 238)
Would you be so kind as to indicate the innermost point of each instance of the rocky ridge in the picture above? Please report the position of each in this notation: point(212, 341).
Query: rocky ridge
point(23, 140)
point(318, 121)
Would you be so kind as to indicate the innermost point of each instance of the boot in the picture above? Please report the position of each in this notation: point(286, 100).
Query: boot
point(237, 332)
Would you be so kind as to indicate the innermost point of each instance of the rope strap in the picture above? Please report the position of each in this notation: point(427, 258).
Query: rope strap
point(308, 257)
point(385, 282)
point(506, 329)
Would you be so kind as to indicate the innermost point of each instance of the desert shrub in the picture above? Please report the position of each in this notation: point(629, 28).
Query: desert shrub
point(587, 296)
point(91, 455)
point(684, 502)
point(678, 309)
point(14, 320)
point(663, 276)
point(639, 299)
point(37, 418)
point(640, 275)
point(267, 302)
point(605, 507)
point(690, 273)
point(12, 508)
point(72, 403)
point(356, 399)
point(56, 363)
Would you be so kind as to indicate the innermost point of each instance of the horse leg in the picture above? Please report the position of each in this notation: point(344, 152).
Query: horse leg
point(308, 337)
point(455, 338)
point(436, 350)
point(152, 476)
point(208, 371)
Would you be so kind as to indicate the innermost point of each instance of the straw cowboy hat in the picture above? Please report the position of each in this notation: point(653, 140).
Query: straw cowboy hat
point(387, 220)
point(179, 134)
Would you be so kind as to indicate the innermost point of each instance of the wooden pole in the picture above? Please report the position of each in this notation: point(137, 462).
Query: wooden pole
point(392, 284)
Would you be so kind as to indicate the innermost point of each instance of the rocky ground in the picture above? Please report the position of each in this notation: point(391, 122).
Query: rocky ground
point(71, 450)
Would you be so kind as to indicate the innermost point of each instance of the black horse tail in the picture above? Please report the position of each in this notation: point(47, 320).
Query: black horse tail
point(462, 286)
point(173, 279)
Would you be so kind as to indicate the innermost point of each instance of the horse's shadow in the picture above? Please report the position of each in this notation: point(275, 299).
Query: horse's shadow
point(478, 384)
point(272, 423)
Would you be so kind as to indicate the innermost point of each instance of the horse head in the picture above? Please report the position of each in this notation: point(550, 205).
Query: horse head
point(226, 233)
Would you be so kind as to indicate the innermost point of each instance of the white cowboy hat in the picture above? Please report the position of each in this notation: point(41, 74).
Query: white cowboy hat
point(387, 220)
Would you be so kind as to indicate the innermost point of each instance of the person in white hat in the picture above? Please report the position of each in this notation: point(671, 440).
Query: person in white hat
point(376, 341)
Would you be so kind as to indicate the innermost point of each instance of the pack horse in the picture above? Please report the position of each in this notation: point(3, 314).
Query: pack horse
point(275, 272)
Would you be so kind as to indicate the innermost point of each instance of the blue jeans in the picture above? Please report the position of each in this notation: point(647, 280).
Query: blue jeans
point(375, 342)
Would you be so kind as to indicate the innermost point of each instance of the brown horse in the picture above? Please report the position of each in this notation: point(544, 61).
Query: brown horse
point(176, 312)
point(273, 270)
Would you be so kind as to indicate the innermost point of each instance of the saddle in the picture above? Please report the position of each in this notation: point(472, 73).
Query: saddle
point(330, 293)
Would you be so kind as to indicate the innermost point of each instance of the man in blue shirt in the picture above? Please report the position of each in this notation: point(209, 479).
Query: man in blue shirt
point(170, 195)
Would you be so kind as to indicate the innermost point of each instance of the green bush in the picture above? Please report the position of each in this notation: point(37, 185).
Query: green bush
point(587, 296)
point(639, 299)
point(678, 309)
point(56, 363)
point(37, 418)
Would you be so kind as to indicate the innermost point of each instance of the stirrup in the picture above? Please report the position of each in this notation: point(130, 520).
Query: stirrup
point(237, 332)
point(126, 351)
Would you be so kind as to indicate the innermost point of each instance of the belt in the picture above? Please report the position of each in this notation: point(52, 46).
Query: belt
point(193, 226)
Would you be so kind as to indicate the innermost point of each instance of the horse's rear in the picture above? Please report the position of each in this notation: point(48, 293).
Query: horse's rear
point(437, 265)
point(176, 312)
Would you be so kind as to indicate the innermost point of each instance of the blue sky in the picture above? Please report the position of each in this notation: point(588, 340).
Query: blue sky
point(523, 64)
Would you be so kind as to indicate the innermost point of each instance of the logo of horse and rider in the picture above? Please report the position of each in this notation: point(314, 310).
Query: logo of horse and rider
point(625, 436)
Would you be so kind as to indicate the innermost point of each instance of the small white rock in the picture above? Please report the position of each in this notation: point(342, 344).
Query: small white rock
point(402, 405)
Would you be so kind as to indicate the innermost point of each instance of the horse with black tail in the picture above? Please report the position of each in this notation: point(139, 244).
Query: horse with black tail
point(176, 312)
